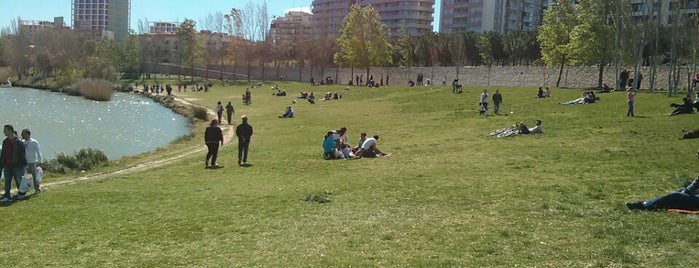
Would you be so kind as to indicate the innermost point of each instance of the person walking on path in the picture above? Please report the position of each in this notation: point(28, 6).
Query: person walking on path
point(13, 161)
point(219, 110)
point(244, 133)
point(630, 95)
point(34, 157)
point(213, 136)
point(229, 111)
point(497, 99)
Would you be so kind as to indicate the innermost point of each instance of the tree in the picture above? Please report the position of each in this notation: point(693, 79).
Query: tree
point(189, 52)
point(486, 52)
point(592, 39)
point(363, 40)
point(405, 48)
point(130, 57)
point(554, 35)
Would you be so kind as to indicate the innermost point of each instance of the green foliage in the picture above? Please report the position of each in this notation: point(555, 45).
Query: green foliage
point(555, 35)
point(68, 76)
point(363, 40)
point(84, 159)
point(188, 48)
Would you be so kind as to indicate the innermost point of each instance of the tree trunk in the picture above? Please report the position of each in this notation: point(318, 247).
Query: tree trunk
point(599, 76)
point(560, 74)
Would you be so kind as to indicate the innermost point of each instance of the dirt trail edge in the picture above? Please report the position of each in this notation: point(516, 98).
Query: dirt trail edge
point(228, 130)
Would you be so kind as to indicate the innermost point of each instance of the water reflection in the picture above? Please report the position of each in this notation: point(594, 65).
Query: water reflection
point(129, 124)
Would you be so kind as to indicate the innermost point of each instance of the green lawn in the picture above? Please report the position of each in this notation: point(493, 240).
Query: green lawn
point(449, 196)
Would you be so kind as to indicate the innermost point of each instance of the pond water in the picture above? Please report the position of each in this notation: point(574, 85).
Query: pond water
point(129, 124)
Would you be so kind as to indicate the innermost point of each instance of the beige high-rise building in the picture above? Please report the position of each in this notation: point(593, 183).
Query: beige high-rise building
point(501, 16)
point(102, 18)
point(328, 15)
point(294, 25)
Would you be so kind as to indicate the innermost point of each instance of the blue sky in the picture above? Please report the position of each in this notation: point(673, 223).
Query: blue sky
point(152, 10)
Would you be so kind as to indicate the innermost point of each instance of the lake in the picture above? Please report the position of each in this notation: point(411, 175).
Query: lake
point(128, 124)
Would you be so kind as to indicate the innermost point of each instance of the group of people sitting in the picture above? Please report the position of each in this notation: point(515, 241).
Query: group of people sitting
point(519, 128)
point(543, 94)
point(587, 97)
point(331, 96)
point(336, 146)
point(305, 95)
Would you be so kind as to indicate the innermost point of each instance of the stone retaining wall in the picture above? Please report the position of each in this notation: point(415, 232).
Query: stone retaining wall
point(530, 76)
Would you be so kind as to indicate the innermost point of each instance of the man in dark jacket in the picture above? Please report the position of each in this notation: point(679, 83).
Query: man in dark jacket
point(244, 132)
point(212, 137)
point(13, 161)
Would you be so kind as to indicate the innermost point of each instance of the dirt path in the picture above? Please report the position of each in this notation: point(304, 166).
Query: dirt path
point(228, 133)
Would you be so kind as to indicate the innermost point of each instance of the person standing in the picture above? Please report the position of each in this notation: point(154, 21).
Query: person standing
point(497, 99)
point(34, 157)
point(229, 111)
point(484, 102)
point(212, 137)
point(13, 160)
point(219, 110)
point(244, 133)
point(630, 95)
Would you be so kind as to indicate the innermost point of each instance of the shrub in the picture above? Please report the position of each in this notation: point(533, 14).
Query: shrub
point(93, 89)
point(200, 113)
point(85, 159)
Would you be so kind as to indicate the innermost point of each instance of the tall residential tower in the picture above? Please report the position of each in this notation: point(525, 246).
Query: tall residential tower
point(102, 18)
point(501, 16)
point(417, 15)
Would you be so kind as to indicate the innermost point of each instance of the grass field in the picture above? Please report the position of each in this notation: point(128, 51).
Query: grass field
point(449, 196)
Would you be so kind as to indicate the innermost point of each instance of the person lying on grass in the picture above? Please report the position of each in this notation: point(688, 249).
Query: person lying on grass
point(523, 129)
point(690, 134)
point(684, 198)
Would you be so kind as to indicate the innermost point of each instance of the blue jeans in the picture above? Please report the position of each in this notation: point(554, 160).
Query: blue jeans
point(496, 107)
point(9, 173)
point(630, 111)
point(676, 200)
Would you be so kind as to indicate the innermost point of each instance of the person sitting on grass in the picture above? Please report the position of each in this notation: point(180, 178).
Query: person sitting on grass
point(684, 198)
point(362, 139)
point(369, 148)
point(288, 113)
point(329, 151)
point(523, 129)
point(684, 108)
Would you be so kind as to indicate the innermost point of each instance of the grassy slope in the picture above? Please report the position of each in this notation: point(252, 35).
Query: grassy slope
point(450, 195)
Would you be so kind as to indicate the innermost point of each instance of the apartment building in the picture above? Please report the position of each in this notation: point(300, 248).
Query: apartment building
point(665, 10)
point(501, 16)
point(294, 25)
point(417, 15)
point(31, 27)
point(101, 18)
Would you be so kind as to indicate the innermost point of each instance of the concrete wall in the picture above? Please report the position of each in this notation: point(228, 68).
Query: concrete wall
point(530, 76)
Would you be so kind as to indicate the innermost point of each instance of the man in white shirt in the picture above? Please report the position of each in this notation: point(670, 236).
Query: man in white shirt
point(369, 148)
point(33, 155)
